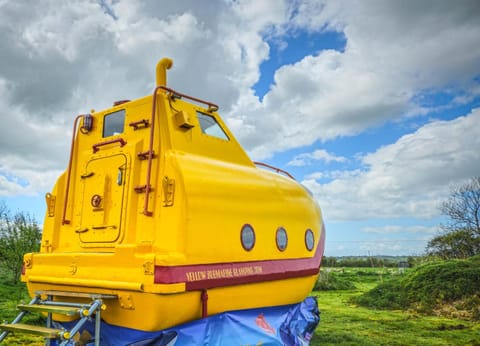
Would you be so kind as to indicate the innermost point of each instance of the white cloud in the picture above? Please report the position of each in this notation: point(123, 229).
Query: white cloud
point(318, 155)
point(396, 229)
point(394, 52)
point(335, 174)
point(409, 178)
point(384, 247)
point(59, 60)
point(376, 247)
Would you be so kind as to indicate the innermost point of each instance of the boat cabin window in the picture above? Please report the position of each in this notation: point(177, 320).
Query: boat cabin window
point(210, 126)
point(113, 123)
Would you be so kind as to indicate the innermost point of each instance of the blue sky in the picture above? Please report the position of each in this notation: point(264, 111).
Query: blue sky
point(293, 47)
point(374, 106)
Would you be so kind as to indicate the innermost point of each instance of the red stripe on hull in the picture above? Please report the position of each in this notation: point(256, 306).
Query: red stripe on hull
point(204, 276)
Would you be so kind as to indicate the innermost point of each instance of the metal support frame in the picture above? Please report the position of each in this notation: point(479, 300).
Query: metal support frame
point(48, 342)
point(85, 311)
point(96, 306)
point(19, 317)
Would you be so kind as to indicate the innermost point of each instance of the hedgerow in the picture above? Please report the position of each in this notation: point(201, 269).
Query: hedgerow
point(430, 287)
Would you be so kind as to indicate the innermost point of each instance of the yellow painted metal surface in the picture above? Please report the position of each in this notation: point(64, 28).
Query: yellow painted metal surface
point(153, 214)
point(49, 333)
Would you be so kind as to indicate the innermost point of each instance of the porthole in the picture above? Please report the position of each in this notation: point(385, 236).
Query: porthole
point(247, 237)
point(281, 238)
point(309, 239)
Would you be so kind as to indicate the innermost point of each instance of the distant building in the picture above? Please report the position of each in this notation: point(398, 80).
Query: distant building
point(402, 265)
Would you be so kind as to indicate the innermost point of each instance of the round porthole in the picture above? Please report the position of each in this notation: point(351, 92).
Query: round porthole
point(247, 237)
point(281, 238)
point(309, 239)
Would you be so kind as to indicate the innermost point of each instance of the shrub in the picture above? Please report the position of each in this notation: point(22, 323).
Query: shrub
point(387, 295)
point(428, 287)
point(332, 281)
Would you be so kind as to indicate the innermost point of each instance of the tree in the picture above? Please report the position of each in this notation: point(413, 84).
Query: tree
point(454, 244)
point(463, 207)
point(461, 237)
point(19, 234)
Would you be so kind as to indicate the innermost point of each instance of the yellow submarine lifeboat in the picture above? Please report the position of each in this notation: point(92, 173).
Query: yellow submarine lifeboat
point(161, 208)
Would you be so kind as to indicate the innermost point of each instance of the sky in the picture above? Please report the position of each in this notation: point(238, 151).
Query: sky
point(372, 105)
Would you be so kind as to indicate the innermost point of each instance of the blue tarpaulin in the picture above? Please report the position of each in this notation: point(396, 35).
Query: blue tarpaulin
point(291, 325)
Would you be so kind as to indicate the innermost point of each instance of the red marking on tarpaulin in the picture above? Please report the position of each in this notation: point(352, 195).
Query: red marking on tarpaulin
point(262, 323)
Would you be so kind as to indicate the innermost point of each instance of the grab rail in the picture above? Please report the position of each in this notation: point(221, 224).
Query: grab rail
point(69, 171)
point(149, 153)
point(117, 140)
point(276, 169)
point(212, 107)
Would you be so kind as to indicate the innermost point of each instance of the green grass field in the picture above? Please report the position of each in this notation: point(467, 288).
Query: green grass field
point(12, 294)
point(342, 322)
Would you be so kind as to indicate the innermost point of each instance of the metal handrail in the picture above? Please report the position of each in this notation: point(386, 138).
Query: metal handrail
point(149, 154)
point(276, 169)
point(212, 107)
point(117, 140)
point(69, 171)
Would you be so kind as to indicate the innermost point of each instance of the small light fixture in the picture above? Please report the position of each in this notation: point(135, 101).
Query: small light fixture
point(87, 124)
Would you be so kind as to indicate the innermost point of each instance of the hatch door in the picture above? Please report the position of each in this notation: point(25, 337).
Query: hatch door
point(104, 181)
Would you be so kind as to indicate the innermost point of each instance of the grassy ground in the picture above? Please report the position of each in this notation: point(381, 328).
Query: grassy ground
point(12, 294)
point(343, 323)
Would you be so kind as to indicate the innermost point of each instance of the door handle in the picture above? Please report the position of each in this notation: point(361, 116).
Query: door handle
point(104, 227)
point(87, 175)
point(82, 230)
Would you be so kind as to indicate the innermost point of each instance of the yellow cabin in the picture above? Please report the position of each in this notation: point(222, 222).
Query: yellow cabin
point(161, 208)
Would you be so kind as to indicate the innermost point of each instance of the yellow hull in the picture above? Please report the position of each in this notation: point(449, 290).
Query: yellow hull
point(161, 207)
point(152, 311)
point(168, 296)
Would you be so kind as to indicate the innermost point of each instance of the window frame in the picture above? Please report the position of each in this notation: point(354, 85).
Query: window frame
point(219, 131)
point(112, 131)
